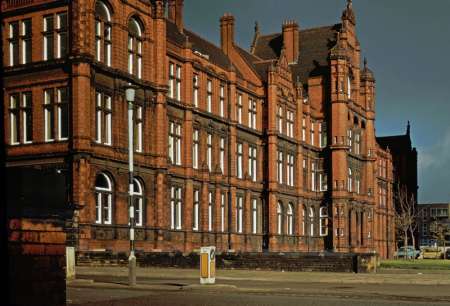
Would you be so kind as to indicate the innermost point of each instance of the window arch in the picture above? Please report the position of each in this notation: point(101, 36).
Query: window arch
point(304, 220)
point(103, 200)
point(290, 219)
point(103, 33)
point(135, 47)
point(311, 221)
point(323, 213)
point(280, 218)
point(138, 197)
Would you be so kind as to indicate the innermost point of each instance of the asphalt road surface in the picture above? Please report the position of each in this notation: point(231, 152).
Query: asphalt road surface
point(175, 289)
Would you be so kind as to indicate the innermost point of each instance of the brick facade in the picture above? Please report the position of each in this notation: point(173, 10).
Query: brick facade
point(272, 188)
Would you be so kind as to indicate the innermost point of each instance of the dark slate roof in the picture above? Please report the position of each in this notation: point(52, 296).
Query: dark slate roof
point(216, 55)
point(254, 62)
point(315, 44)
point(262, 69)
point(395, 143)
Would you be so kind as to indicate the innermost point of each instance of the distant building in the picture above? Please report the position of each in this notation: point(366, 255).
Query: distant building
point(404, 160)
point(430, 216)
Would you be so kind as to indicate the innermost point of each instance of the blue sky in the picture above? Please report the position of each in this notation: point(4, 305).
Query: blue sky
point(407, 44)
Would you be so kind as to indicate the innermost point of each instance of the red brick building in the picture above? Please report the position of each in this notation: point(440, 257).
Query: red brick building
point(271, 149)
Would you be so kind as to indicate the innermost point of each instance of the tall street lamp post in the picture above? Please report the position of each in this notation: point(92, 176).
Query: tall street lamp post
point(130, 93)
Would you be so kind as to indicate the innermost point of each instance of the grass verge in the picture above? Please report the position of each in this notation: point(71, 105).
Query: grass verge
point(428, 264)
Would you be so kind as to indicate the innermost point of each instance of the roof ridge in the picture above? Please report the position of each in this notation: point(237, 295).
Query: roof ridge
point(320, 27)
point(204, 39)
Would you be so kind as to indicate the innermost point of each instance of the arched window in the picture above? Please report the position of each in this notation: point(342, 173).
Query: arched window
point(323, 221)
point(290, 219)
point(311, 221)
point(138, 196)
point(280, 218)
point(350, 180)
point(103, 33)
point(135, 48)
point(103, 201)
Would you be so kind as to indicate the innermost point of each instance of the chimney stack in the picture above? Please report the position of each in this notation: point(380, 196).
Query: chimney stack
point(176, 13)
point(291, 38)
point(227, 32)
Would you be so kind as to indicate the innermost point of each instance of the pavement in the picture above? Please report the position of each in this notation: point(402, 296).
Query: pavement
point(170, 286)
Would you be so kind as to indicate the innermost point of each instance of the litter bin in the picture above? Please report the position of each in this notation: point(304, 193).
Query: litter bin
point(208, 265)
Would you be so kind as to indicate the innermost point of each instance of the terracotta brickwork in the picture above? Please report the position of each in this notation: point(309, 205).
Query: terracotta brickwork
point(272, 149)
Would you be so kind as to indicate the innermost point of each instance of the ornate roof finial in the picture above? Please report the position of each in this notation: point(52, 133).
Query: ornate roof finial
point(348, 13)
point(365, 62)
point(408, 129)
point(255, 38)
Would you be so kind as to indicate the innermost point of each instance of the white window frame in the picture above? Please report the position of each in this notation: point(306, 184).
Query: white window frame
point(178, 82)
point(48, 98)
point(210, 210)
point(59, 104)
point(209, 95)
point(196, 212)
point(24, 117)
point(313, 175)
point(254, 216)
point(139, 210)
point(311, 221)
point(279, 219)
point(252, 162)
point(280, 119)
point(14, 103)
point(222, 100)
point(239, 213)
point(209, 157)
point(222, 154)
point(239, 108)
point(58, 34)
point(99, 203)
point(175, 208)
point(280, 166)
point(196, 85)
point(222, 212)
point(290, 220)
point(195, 148)
point(323, 221)
point(252, 113)
point(350, 180)
point(304, 129)
point(239, 159)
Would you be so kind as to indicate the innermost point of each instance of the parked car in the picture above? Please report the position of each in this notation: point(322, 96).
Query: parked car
point(432, 253)
point(407, 252)
point(447, 254)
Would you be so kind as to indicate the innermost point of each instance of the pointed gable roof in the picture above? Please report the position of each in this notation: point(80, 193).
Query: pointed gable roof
point(315, 45)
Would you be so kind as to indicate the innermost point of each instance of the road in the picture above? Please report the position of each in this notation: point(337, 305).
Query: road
point(107, 287)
